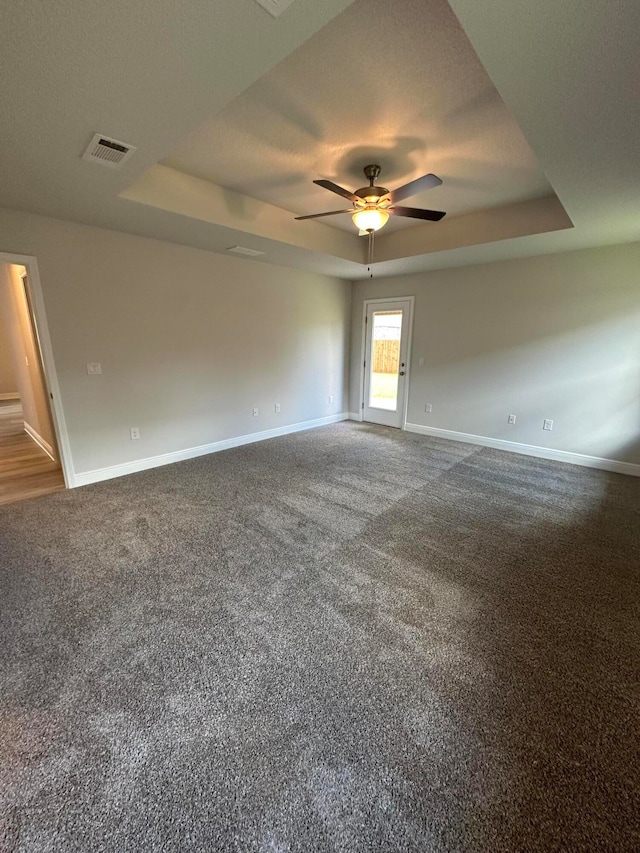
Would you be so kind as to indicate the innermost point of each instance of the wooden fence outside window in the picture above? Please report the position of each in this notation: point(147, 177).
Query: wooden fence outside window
point(386, 356)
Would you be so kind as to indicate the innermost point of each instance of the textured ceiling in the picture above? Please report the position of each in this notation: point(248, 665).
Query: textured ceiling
point(421, 103)
point(269, 105)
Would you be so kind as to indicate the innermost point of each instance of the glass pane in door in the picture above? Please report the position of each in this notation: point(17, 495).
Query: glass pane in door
point(385, 359)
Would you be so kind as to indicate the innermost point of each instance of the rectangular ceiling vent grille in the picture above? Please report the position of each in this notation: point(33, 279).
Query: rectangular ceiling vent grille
point(107, 151)
point(242, 250)
point(275, 7)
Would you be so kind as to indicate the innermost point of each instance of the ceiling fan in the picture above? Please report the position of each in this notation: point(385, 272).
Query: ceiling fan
point(372, 205)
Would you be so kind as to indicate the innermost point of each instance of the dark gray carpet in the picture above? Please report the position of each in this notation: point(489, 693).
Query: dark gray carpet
point(350, 639)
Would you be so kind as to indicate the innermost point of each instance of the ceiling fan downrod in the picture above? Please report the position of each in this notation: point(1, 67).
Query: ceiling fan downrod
point(371, 173)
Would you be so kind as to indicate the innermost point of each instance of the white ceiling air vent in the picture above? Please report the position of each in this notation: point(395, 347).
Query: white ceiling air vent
point(107, 151)
point(275, 7)
point(241, 250)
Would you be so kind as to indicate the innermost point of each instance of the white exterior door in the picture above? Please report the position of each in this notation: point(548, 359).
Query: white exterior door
point(385, 361)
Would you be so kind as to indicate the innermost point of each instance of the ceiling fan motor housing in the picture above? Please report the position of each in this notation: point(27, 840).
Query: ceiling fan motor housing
point(371, 193)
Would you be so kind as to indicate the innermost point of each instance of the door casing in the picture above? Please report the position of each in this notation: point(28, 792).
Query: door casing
point(46, 353)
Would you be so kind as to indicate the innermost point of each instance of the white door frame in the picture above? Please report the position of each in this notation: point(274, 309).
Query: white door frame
point(48, 363)
point(365, 304)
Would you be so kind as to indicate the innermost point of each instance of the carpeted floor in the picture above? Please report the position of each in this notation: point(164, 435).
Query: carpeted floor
point(349, 639)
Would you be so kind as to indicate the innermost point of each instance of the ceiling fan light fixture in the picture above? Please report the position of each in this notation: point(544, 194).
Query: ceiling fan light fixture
point(372, 205)
point(370, 218)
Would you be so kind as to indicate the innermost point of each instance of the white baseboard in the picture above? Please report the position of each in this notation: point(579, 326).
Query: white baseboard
point(39, 440)
point(530, 450)
point(355, 416)
point(84, 478)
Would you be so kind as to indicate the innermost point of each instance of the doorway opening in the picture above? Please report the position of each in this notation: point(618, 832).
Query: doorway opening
point(387, 329)
point(30, 460)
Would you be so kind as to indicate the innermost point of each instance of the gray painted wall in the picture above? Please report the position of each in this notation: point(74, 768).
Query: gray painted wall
point(189, 341)
point(548, 337)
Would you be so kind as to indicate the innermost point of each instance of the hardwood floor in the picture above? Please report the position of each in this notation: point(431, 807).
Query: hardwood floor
point(26, 471)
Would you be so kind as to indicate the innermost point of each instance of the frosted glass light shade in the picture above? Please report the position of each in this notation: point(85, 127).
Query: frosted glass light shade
point(370, 219)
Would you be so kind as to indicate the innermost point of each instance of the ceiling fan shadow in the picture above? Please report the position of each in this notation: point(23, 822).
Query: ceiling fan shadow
point(397, 160)
point(482, 111)
point(276, 181)
point(274, 100)
point(237, 204)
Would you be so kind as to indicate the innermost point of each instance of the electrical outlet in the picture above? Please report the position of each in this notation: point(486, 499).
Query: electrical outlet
point(428, 408)
point(548, 424)
point(277, 407)
point(330, 399)
point(511, 419)
point(255, 413)
point(421, 362)
point(135, 433)
point(93, 368)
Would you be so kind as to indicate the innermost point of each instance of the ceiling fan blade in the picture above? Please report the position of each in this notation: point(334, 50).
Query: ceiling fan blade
point(418, 213)
point(329, 213)
point(426, 182)
point(329, 185)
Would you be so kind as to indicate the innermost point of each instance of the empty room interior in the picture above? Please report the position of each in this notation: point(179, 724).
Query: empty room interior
point(320, 426)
